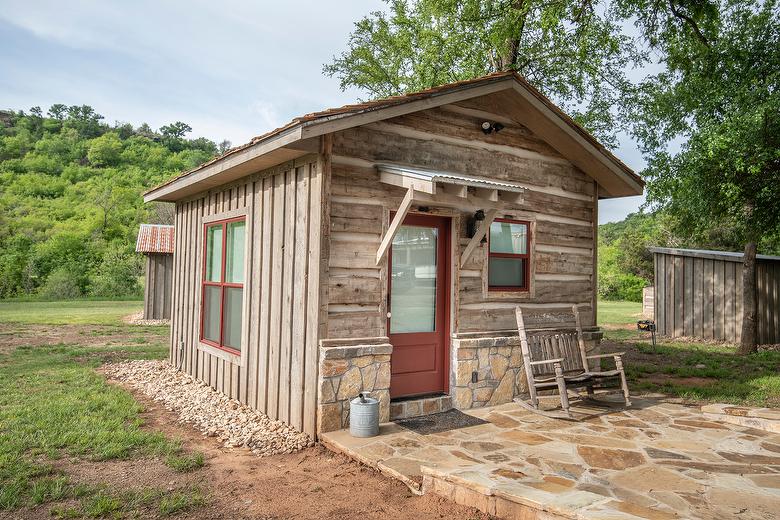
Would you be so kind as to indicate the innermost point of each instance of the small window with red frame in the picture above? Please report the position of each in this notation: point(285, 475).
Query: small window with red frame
point(223, 284)
point(508, 259)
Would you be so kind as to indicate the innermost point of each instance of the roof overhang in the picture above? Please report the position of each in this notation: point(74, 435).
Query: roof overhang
point(524, 104)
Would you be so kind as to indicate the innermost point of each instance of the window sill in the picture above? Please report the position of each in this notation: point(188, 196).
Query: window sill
point(221, 354)
point(504, 294)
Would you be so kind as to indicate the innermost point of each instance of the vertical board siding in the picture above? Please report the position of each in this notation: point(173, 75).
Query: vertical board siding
point(279, 358)
point(158, 286)
point(710, 303)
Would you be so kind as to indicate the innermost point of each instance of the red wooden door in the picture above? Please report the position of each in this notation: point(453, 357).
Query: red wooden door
point(418, 296)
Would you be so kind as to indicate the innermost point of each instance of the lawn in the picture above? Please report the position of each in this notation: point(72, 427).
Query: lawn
point(618, 313)
point(76, 312)
point(697, 371)
point(56, 410)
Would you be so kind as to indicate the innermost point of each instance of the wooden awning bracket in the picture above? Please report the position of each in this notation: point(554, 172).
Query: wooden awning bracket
point(395, 224)
point(490, 216)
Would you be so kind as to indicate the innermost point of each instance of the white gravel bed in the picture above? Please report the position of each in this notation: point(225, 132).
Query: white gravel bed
point(211, 412)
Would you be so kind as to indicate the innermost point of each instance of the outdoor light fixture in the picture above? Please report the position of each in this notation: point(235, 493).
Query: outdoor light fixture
point(489, 128)
point(474, 221)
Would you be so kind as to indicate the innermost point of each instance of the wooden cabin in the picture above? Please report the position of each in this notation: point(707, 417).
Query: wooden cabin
point(698, 294)
point(155, 242)
point(383, 246)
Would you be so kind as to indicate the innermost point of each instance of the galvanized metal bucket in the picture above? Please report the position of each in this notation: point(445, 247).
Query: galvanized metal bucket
point(364, 416)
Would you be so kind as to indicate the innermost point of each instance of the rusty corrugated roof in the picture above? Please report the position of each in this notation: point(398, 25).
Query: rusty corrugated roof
point(155, 238)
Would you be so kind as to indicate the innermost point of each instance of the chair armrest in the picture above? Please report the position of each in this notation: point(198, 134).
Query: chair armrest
point(546, 361)
point(613, 354)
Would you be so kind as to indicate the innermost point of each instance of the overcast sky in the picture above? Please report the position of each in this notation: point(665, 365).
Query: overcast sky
point(230, 69)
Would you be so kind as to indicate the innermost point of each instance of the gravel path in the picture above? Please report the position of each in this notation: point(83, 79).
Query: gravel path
point(211, 412)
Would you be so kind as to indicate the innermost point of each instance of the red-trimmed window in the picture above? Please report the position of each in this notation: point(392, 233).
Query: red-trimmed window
point(508, 259)
point(223, 284)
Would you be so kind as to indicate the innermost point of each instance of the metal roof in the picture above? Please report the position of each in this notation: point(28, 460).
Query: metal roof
point(155, 238)
point(730, 256)
point(450, 178)
point(317, 118)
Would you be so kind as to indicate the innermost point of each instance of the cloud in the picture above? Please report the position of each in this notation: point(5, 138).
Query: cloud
point(231, 69)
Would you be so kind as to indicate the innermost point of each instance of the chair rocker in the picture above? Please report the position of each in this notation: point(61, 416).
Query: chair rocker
point(556, 359)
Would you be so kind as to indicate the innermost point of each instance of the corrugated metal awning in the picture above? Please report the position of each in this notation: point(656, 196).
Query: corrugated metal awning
point(155, 238)
point(426, 180)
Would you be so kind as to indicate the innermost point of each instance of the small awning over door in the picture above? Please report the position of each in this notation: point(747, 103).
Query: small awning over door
point(451, 190)
point(485, 193)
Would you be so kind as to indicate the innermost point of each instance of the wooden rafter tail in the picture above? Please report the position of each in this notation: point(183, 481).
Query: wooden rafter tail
point(395, 225)
point(490, 216)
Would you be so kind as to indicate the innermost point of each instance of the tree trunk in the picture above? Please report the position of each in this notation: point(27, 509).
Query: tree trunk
point(749, 300)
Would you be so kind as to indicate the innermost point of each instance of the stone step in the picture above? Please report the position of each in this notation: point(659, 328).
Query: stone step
point(767, 419)
point(417, 407)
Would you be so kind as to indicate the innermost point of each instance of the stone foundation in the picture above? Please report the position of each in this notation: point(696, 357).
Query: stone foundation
point(498, 363)
point(345, 371)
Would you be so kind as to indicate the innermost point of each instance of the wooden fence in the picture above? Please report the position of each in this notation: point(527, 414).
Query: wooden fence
point(699, 294)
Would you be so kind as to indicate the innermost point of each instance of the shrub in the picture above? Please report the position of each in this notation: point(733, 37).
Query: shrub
point(61, 284)
point(621, 286)
point(117, 274)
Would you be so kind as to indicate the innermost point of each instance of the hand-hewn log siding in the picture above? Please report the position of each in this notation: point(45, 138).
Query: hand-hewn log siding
point(277, 374)
point(560, 201)
point(701, 296)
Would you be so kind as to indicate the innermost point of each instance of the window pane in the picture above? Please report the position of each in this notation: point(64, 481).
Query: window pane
point(232, 323)
point(211, 296)
point(506, 272)
point(214, 253)
point(508, 237)
point(234, 267)
point(413, 294)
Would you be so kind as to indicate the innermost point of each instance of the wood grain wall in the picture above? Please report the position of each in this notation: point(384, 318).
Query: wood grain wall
point(560, 202)
point(702, 298)
point(158, 286)
point(277, 373)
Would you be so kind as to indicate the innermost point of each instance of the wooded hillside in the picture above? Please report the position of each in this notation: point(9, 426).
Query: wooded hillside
point(70, 198)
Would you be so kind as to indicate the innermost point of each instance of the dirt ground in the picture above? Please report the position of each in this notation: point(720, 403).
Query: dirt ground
point(14, 335)
point(313, 483)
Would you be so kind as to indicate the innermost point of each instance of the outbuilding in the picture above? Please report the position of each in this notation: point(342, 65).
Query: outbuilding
point(698, 293)
point(155, 242)
point(383, 247)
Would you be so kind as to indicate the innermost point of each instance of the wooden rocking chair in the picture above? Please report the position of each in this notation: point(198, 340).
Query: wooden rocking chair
point(557, 359)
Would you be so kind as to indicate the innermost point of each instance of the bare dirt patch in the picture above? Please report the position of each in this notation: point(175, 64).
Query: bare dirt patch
point(312, 483)
point(13, 335)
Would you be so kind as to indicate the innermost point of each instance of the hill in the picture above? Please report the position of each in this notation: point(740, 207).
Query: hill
point(71, 198)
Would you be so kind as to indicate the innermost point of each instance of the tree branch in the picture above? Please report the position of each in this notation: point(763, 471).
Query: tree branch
point(691, 22)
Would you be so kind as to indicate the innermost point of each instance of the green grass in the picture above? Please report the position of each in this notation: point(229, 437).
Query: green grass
point(54, 406)
point(618, 313)
point(184, 463)
point(180, 502)
point(697, 371)
point(78, 312)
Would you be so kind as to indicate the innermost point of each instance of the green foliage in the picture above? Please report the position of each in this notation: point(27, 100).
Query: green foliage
point(63, 283)
point(625, 263)
point(574, 52)
point(720, 95)
point(70, 198)
point(117, 274)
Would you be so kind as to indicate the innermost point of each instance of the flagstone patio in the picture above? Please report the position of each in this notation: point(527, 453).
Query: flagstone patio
point(655, 460)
